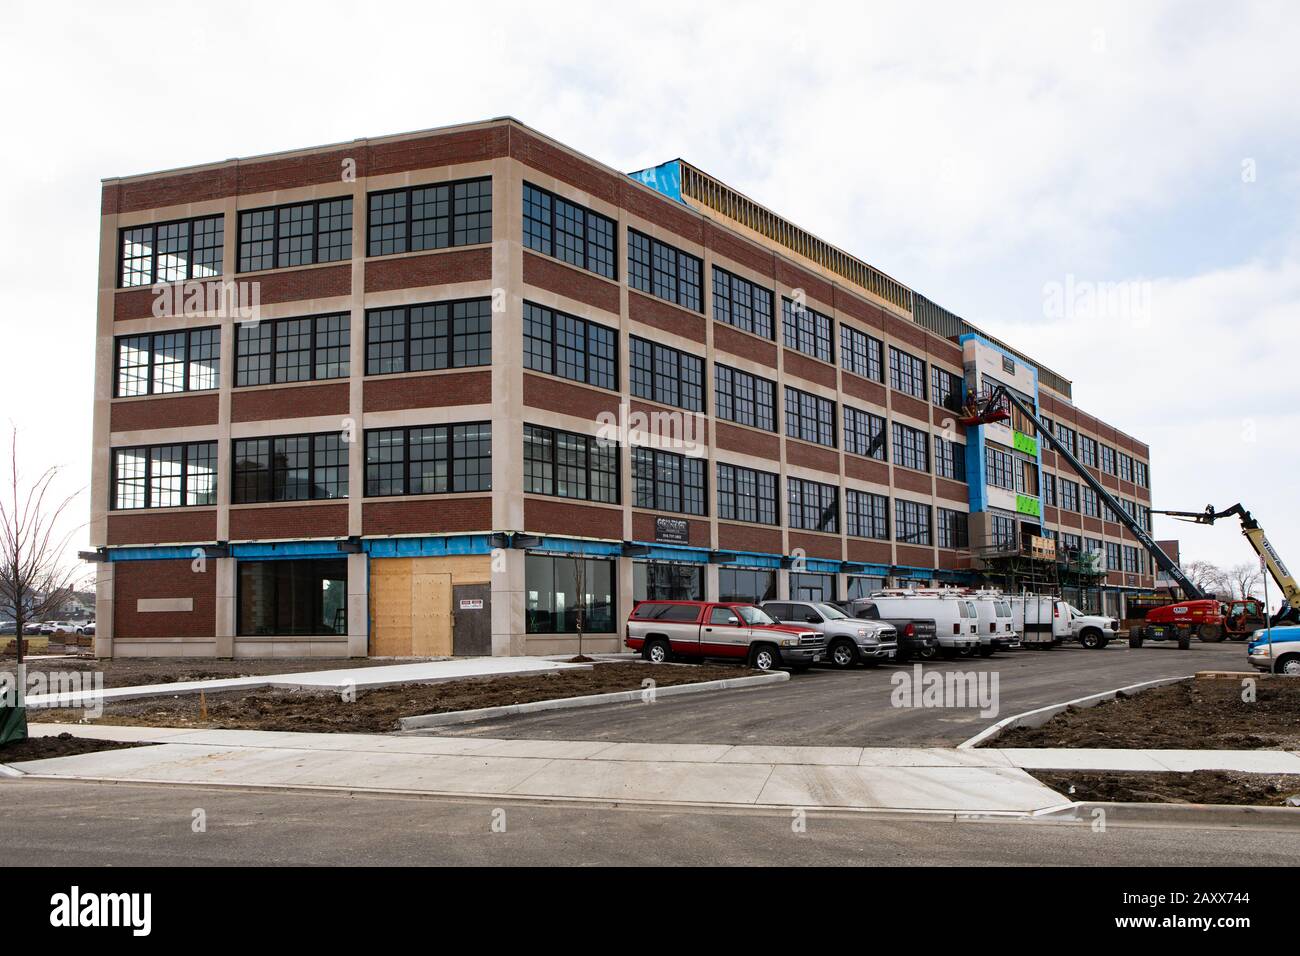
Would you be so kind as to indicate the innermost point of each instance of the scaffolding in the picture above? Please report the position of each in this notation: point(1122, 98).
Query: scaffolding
point(1038, 567)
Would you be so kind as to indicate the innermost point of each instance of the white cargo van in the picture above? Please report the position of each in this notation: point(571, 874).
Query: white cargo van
point(1046, 621)
point(996, 630)
point(955, 621)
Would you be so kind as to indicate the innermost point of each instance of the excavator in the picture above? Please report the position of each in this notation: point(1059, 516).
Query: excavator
point(1201, 614)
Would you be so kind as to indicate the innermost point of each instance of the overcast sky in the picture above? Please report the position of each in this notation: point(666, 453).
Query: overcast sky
point(985, 155)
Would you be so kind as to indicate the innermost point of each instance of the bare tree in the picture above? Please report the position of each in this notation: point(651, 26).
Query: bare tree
point(1245, 580)
point(1207, 576)
point(36, 577)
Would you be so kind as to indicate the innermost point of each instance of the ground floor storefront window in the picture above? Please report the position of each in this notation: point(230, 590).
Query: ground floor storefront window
point(299, 597)
point(551, 589)
point(667, 581)
point(812, 587)
point(861, 587)
point(743, 584)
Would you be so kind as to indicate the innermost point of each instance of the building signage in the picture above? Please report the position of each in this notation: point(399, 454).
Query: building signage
point(1027, 505)
point(471, 604)
point(672, 531)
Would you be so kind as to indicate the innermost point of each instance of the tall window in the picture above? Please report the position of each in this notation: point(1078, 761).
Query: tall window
point(1066, 436)
point(806, 330)
point(435, 335)
point(1002, 528)
point(569, 466)
point(812, 505)
point(949, 459)
point(569, 232)
point(166, 362)
point(1090, 505)
point(809, 417)
point(911, 447)
point(434, 459)
point(1069, 492)
point(743, 398)
point(552, 597)
point(293, 350)
point(866, 515)
point(664, 271)
point(746, 495)
point(666, 375)
point(1107, 458)
point(164, 476)
point(430, 217)
point(170, 251)
point(295, 235)
point(1049, 489)
point(291, 468)
point(911, 522)
point(664, 481)
point(861, 354)
point(743, 304)
point(570, 347)
point(1125, 467)
point(1088, 451)
point(954, 529)
point(864, 433)
point(906, 373)
point(1112, 556)
point(947, 390)
point(999, 468)
point(1141, 475)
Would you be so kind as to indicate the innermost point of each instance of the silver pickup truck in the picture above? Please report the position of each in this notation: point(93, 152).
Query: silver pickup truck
point(849, 641)
point(700, 629)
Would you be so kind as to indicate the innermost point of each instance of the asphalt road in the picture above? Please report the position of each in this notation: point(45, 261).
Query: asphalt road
point(50, 823)
point(824, 707)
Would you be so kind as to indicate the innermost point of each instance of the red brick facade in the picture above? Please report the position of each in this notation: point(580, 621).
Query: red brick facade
point(135, 581)
point(260, 523)
point(445, 515)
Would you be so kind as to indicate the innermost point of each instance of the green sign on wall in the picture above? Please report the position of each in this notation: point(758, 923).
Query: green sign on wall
point(1024, 443)
point(1026, 505)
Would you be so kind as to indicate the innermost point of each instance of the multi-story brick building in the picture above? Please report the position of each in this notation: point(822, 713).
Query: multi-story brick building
point(374, 398)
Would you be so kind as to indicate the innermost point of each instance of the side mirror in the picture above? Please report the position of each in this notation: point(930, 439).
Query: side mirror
point(733, 621)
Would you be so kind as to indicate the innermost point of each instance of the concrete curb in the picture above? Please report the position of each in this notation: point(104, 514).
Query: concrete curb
point(1180, 814)
point(8, 771)
point(422, 721)
point(1036, 718)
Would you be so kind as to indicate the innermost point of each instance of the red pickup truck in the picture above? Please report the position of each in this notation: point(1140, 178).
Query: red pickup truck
point(699, 629)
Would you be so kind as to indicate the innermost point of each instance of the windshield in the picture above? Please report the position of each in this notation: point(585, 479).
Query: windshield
point(831, 612)
point(754, 615)
point(1074, 611)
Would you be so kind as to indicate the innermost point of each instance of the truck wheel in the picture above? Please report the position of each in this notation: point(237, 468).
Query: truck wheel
point(764, 657)
point(843, 654)
point(1185, 640)
point(1091, 638)
point(656, 650)
point(1210, 633)
point(1288, 664)
point(986, 650)
point(1135, 637)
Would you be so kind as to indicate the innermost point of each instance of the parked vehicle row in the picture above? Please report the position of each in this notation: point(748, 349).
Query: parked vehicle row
point(729, 630)
point(849, 641)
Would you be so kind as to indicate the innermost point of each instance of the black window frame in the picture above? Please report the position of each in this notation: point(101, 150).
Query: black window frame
point(733, 504)
point(449, 459)
point(871, 522)
point(798, 423)
point(313, 362)
point(952, 529)
point(609, 365)
point(188, 361)
point(727, 397)
point(798, 504)
point(153, 246)
point(871, 347)
point(680, 497)
point(589, 216)
point(641, 348)
point(999, 466)
point(276, 238)
point(449, 338)
point(949, 459)
point(643, 273)
point(590, 443)
point(903, 522)
point(455, 222)
point(911, 445)
point(734, 284)
point(1068, 495)
point(947, 389)
point(807, 331)
point(899, 377)
point(863, 431)
point(147, 478)
point(276, 473)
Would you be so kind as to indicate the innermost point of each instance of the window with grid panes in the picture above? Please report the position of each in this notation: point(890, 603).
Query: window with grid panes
point(569, 232)
point(809, 417)
point(953, 528)
point(293, 350)
point(432, 459)
point(746, 495)
point(743, 398)
point(429, 337)
point(949, 459)
point(911, 447)
point(864, 433)
point(435, 216)
point(806, 330)
point(911, 522)
point(861, 354)
point(163, 476)
point(906, 373)
point(570, 347)
point(665, 481)
point(295, 235)
point(566, 465)
point(164, 362)
point(665, 375)
point(664, 271)
point(812, 506)
point(290, 468)
point(866, 515)
point(740, 303)
point(170, 251)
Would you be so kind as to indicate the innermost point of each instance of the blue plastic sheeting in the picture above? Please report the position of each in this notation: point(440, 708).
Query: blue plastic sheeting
point(286, 550)
point(665, 178)
point(817, 566)
point(152, 554)
point(428, 547)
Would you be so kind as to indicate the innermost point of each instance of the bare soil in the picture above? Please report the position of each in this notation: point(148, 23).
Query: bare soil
point(378, 710)
point(1200, 786)
point(1190, 715)
point(63, 745)
point(134, 671)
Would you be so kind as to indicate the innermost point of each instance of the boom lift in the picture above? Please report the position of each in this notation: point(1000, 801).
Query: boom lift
point(1250, 610)
point(991, 406)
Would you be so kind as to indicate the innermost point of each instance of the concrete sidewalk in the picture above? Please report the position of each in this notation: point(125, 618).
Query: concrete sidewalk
point(337, 679)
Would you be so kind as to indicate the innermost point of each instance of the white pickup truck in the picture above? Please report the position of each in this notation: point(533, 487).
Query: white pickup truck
point(1045, 621)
